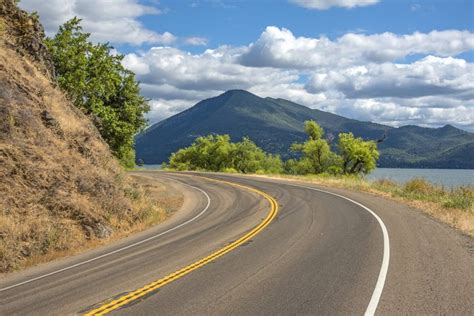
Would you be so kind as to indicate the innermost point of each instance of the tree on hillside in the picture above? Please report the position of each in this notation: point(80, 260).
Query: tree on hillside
point(94, 79)
point(358, 156)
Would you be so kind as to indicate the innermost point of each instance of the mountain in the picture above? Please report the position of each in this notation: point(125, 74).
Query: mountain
point(274, 124)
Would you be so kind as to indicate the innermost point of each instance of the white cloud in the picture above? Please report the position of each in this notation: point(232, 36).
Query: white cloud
point(395, 112)
point(162, 108)
point(196, 41)
point(431, 76)
point(280, 48)
point(175, 79)
point(108, 21)
point(136, 64)
point(215, 70)
point(326, 4)
point(432, 91)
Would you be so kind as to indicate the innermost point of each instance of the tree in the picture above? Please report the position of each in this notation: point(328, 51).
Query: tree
point(358, 156)
point(212, 153)
point(247, 157)
point(218, 153)
point(313, 130)
point(316, 153)
point(94, 79)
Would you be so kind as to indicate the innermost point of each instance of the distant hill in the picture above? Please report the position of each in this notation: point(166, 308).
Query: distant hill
point(274, 124)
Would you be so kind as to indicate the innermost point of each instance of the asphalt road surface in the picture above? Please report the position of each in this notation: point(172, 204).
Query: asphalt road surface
point(330, 252)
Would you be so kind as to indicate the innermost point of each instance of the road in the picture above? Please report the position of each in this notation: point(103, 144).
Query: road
point(320, 252)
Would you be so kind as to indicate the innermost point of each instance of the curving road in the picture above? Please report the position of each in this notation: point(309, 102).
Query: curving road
point(323, 252)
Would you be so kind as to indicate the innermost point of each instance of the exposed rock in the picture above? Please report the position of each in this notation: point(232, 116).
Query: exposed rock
point(27, 34)
point(98, 230)
point(102, 231)
point(50, 122)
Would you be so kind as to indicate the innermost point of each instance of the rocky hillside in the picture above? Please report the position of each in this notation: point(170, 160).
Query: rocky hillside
point(60, 187)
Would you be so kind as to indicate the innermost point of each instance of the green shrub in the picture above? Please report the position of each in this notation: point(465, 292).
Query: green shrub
point(229, 170)
point(462, 198)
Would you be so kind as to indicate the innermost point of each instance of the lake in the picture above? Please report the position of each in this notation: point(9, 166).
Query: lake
point(150, 167)
point(445, 177)
point(448, 178)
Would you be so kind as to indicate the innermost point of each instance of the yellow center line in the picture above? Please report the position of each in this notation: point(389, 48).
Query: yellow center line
point(125, 299)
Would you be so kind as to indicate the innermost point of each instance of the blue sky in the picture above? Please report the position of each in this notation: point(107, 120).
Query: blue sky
point(395, 62)
point(241, 22)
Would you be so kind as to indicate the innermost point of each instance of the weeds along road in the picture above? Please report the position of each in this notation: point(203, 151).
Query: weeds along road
point(232, 250)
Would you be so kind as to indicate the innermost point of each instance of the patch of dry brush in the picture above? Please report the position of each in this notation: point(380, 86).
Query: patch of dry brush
point(60, 187)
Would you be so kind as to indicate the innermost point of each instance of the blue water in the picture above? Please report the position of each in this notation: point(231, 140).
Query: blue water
point(445, 177)
point(448, 178)
point(150, 167)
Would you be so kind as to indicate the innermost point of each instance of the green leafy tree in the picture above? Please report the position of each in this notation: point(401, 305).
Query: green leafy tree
point(271, 164)
point(249, 158)
point(313, 130)
point(357, 156)
point(212, 152)
point(297, 166)
point(93, 77)
point(218, 153)
point(316, 154)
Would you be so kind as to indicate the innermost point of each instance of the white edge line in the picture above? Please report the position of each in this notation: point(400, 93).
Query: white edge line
point(123, 248)
point(374, 301)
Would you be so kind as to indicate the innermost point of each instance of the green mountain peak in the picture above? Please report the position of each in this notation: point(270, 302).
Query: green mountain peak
point(274, 124)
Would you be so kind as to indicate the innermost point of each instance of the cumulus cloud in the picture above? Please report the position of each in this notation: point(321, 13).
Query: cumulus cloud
point(397, 112)
point(107, 21)
point(326, 4)
point(278, 47)
point(196, 41)
point(215, 69)
point(430, 76)
point(162, 108)
point(432, 91)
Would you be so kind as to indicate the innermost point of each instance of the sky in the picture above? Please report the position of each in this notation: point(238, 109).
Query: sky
point(395, 62)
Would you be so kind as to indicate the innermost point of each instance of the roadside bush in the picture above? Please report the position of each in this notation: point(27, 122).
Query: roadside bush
point(462, 198)
point(385, 185)
point(418, 188)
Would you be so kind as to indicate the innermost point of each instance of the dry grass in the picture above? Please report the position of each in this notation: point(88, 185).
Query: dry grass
point(61, 190)
point(454, 207)
point(147, 194)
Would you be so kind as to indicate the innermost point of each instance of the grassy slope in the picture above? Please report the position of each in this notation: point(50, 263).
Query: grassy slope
point(61, 189)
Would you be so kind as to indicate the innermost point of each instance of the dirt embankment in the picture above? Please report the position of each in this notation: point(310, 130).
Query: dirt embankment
point(60, 188)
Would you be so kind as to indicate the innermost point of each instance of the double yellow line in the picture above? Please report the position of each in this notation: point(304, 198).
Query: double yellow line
point(130, 297)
